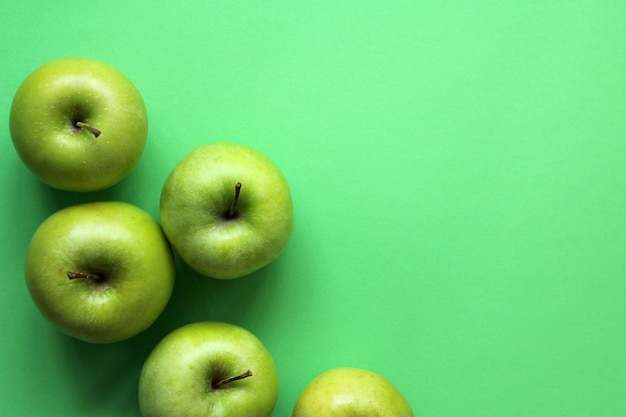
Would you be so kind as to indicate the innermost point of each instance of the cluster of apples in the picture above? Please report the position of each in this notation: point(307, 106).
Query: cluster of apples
point(104, 271)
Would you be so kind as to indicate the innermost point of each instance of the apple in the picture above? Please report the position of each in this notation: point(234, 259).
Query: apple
point(227, 210)
point(78, 124)
point(101, 272)
point(208, 369)
point(346, 392)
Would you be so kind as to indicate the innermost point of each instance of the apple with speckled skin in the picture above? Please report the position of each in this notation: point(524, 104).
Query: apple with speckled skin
point(101, 272)
point(227, 210)
point(208, 369)
point(348, 392)
point(78, 124)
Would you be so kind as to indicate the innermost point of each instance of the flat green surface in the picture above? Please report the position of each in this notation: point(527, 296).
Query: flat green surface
point(458, 178)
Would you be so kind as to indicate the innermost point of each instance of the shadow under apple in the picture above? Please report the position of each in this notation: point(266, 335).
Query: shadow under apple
point(55, 199)
point(34, 200)
point(105, 376)
point(199, 298)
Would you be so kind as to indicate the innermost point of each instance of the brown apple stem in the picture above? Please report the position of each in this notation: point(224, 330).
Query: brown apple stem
point(90, 128)
point(218, 384)
point(82, 275)
point(231, 212)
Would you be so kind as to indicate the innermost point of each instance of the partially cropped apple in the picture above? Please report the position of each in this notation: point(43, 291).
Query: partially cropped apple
point(78, 124)
point(227, 210)
point(101, 272)
point(347, 392)
point(208, 369)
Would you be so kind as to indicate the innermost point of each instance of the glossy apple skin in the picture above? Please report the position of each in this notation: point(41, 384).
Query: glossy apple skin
point(42, 124)
point(201, 188)
point(119, 241)
point(176, 377)
point(348, 392)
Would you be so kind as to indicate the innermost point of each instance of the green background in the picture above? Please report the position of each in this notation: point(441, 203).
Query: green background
point(457, 170)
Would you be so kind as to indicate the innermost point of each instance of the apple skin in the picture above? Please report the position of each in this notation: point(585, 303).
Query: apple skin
point(347, 392)
point(43, 119)
point(176, 378)
point(119, 241)
point(199, 192)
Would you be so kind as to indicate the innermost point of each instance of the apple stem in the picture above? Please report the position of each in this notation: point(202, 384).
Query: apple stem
point(218, 384)
point(83, 275)
point(90, 128)
point(231, 212)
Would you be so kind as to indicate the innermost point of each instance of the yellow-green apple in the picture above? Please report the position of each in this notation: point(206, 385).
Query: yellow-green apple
point(79, 124)
point(227, 210)
point(101, 272)
point(347, 392)
point(208, 369)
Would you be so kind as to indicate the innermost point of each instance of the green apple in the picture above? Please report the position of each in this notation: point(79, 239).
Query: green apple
point(208, 369)
point(227, 210)
point(101, 272)
point(78, 124)
point(347, 392)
